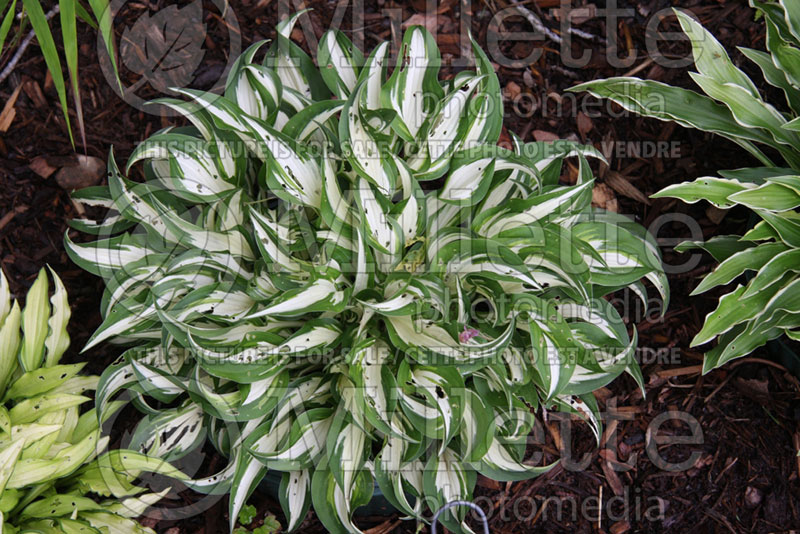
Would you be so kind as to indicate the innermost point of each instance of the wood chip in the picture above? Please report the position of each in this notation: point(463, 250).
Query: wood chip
point(11, 214)
point(757, 390)
point(610, 458)
point(585, 124)
point(643, 65)
point(34, 92)
point(79, 209)
point(620, 527)
point(752, 497)
point(298, 36)
point(384, 528)
point(485, 482)
point(682, 371)
point(40, 166)
point(418, 19)
point(613, 479)
point(505, 140)
point(554, 431)
point(604, 197)
point(611, 427)
point(9, 111)
point(577, 15)
point(449, 43)
point(621, 185)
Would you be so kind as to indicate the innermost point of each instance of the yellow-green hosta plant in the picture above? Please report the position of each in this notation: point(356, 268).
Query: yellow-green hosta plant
point(768, 305)
point(52, 456)
point(335, 273)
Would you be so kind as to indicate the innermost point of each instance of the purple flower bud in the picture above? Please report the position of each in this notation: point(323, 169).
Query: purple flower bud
point(467, 334)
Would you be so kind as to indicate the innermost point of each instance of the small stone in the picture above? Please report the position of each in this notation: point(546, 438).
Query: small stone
point(527, 79)
point(512, 91)
point(752, 497)
point(88, 171)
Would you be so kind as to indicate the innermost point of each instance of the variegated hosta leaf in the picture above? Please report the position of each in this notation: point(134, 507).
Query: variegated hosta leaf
point(340, 62)
point(171, 435)
point(502, 462)
point(447, 479)
point(346, 443)
point(448, 128)
point(477, 428)
point(557, 202)
point(293, 65)
point(472, 171)
point(413, 81)
point(433, 400)
point(257, 90)
point(57, 505)
point(57, 339)
point(328, 301)
point(248, 473)
point(365, 147)
point(398, 473)
point(321, 294)
point(333, 506)
point(295, 496)
point(734, 108)
point(186, 165)
point(304, 443)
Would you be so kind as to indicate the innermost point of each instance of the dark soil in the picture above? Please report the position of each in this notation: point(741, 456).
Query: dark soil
point(743, 474)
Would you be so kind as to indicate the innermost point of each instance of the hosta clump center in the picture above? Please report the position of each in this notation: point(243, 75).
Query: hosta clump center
point(338, 317)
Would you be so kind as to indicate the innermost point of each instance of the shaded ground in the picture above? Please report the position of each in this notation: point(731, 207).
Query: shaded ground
point(744, 472)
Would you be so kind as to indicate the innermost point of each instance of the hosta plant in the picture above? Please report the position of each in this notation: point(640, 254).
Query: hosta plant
point(337, 274)
point(55, 475)
point(766, 306)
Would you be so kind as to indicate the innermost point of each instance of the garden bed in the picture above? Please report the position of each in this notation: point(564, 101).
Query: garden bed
point(745, 474)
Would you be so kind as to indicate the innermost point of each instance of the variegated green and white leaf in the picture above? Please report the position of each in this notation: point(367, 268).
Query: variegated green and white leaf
point(295, 496)
point(340, 62)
